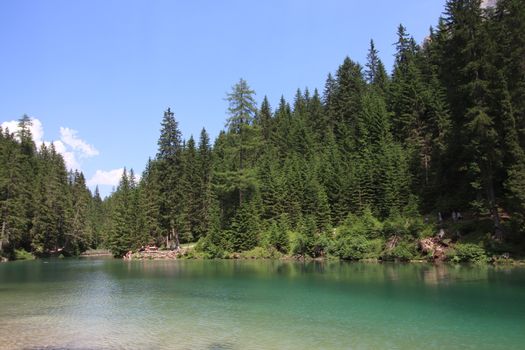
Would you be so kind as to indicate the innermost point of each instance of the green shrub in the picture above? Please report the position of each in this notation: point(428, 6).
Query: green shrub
point(301, 243)
point(206, 249)
point(407, 226)
point(467, 252)
point(261, 253)
point(21, 254)
point(365, 225)
point(403, 251)
point(352, 247)
point(322, 244)
point(193, 254)
point(277, 237)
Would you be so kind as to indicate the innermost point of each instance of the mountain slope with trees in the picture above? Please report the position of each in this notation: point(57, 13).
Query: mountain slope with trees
point(365, 168)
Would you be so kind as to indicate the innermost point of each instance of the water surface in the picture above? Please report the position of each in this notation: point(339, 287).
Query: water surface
point(112, 304)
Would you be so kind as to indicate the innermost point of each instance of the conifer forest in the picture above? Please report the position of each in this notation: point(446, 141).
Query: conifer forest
point(362, 168)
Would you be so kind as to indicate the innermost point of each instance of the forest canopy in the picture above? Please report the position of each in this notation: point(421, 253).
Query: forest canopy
point(373, 155)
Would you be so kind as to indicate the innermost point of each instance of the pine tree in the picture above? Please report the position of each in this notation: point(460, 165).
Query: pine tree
point(96, 219)
point(204, 194)
point(264, 119)
point(170, 169)
point(79, 234)
point(280, 138)
point(191, 191)
point(150, 202)
point(375, 73)
point(244, 227)
point(122, 235)
point(329, 101)
point(350, 86)
point(467, 53)
point(242, 110)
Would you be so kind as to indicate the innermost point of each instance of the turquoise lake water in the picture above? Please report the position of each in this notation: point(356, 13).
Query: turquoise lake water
point(112, 304)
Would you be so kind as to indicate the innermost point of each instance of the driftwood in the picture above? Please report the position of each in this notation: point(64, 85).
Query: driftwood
point(434, 247)
point(392, 242)
point(155, 254)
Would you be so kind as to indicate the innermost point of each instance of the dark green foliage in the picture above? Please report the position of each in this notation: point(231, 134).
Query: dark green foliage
point(96, 219)
point(308, 240)
point(405, 250)
point(245, 228)
point(278, 236)
point(407, 226)
point(351, 173)
point(123, 235)
point(43, 209)
point(354, 247)
point(170, 180)
point(375, 73)
point(467, 252)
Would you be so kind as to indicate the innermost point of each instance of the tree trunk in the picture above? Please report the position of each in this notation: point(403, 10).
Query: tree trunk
point(426, 169)
point(240, 197)
point(2, 236)
point(241, 155)
point(498, 231)
point(176, 235)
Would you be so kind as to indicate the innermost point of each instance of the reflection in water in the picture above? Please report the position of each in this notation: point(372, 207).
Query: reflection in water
point(436, 274)
point(112, 304)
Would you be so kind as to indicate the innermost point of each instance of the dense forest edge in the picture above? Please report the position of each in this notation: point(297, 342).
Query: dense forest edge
point(426, 163)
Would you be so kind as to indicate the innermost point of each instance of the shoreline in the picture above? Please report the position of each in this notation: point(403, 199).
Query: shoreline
point(182, 254)
point(170, 257)
point(95, 253)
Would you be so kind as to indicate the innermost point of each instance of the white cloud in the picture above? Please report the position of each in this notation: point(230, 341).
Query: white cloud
point(102, 177)
point(70, 146)
point(12, 125)
point(59, 146)
point(70, 138)
point(36, 129)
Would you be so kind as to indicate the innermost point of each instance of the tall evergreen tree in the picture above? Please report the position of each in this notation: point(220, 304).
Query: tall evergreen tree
point(242, 110)
point(375, 73)
point(170, 169)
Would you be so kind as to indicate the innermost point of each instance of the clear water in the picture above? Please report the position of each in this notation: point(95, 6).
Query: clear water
point(112, 304)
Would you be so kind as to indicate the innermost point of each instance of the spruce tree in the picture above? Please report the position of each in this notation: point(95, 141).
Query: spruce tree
point(170, 170)
point(375, 72)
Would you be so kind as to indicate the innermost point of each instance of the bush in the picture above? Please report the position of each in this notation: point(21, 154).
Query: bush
point(261, 253)
point(193, 254)
point(353, 247)
point(467, 252)
point(21, 254)
point(407, 226)
point(365, 225)
point(403, 251)
point(311, 243)
point(277, 237)
point(301, 243)
point(205, 249)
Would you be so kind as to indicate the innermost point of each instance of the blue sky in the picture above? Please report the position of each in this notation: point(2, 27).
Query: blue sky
point(98, 74)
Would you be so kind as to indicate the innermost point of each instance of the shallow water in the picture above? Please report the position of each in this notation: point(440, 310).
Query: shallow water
point(112, 304)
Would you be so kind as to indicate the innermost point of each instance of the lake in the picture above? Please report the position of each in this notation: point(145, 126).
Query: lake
point(185, 304)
